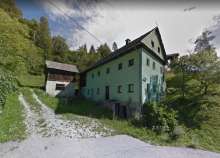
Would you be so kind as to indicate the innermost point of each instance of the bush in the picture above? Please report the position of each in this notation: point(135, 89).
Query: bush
point(159, 117)
point(177, 132)
point(7, 85)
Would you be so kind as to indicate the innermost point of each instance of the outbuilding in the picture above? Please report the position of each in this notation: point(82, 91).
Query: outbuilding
point(62, 79)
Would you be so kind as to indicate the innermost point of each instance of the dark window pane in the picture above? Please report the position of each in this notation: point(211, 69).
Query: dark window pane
point(131, 88)
point(120, 66)
point(152, 44)
point(120, 89)
point(131, 62)
point(60, 86)
point(108, 70)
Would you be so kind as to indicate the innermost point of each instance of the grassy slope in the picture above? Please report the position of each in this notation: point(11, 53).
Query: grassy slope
point(12, 126)
point(20, 54)
point(207, 134)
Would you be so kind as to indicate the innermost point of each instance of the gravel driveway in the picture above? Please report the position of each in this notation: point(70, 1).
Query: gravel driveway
point(120, 146)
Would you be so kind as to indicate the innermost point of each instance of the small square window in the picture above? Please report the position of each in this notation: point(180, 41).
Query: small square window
point(60, 87)
point(148, 62)
point(120, 89)
point(161, 70)
point(98, 91)
point(131, 88)
point(108, 70)
point(131, 62)
point(154, 65)
point(152, 44)
point(98, 73)
point(158, 49)
point(120, 66)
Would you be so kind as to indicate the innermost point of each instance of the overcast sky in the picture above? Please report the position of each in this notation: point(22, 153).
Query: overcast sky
point(109, 21)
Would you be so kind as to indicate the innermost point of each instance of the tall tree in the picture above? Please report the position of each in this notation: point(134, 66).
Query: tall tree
point(92, 50)
point(59, 45)
point(104, 50)
point(114, 46)
point(44, 36)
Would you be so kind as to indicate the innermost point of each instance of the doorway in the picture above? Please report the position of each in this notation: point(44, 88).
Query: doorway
point(107, 92)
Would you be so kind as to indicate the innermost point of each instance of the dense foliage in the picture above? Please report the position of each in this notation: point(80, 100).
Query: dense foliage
point(159, 117)
point(7, 85)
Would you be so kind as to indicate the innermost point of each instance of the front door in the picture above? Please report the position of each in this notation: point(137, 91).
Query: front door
point(107, 92)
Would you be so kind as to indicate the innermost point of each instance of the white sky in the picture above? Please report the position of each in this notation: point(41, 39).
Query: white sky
point(112, 22)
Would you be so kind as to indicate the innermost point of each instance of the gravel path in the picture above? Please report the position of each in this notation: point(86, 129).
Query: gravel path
point(120, 146)
point(45, 123)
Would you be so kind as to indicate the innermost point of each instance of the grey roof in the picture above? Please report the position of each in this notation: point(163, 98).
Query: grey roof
point(61, 66)
point(131, 45)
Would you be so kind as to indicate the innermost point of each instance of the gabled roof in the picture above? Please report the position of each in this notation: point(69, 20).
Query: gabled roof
point(61, 66)
point(137, 43)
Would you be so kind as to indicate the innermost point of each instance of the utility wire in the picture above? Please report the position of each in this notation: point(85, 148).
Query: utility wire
point(91, 34)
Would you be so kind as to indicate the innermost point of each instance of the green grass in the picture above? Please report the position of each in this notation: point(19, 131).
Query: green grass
point(76, 106)
point(28, 95)
point(34, 81)
point(12, 125)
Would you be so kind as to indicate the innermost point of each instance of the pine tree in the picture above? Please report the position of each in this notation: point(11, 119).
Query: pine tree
point(92, 50)
point(114, 46)
point(43, 37)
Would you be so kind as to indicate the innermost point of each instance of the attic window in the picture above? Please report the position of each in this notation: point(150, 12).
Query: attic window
point(152, 44)
point(158, 49)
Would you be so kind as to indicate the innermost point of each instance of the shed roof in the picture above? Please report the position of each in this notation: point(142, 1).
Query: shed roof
point(131, 45)
point(61, 66)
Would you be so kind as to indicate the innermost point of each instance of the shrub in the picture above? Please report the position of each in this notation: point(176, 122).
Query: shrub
point(7, 85)
point(159, 117)
point(177, 132)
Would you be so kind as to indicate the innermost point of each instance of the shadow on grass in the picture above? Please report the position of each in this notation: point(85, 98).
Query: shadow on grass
point(82, 107)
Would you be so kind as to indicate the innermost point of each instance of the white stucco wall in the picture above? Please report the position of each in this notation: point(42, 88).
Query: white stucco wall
point(51, 88)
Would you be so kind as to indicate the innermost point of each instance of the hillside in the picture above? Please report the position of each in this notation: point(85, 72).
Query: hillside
point(21, 56)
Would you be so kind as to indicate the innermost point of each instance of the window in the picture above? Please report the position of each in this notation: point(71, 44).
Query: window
point(88, 92)
point(108, 70)
point(158, 49)
point(152, 44)
point(131, 62)
point(148, 62)
point(161, 70)
point(60, 86)
point(154, 65)
point(120, 66)
point(98, 73)
point(131, 88)
point(98, 91)
point(92, 75)
point(119, 89)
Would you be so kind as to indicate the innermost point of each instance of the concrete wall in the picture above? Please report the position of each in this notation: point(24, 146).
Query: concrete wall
point(68, 92)
point(127, 75)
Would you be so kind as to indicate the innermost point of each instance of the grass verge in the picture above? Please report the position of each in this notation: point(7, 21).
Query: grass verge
point(12, 125)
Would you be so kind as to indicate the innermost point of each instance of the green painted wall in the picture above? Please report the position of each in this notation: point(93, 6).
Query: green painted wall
point(147, 73)
point(127, 75)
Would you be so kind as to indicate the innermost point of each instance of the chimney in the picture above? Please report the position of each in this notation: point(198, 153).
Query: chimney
point(127, 41)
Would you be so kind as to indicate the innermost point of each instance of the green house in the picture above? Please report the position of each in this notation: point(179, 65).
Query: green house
point(130, 76)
